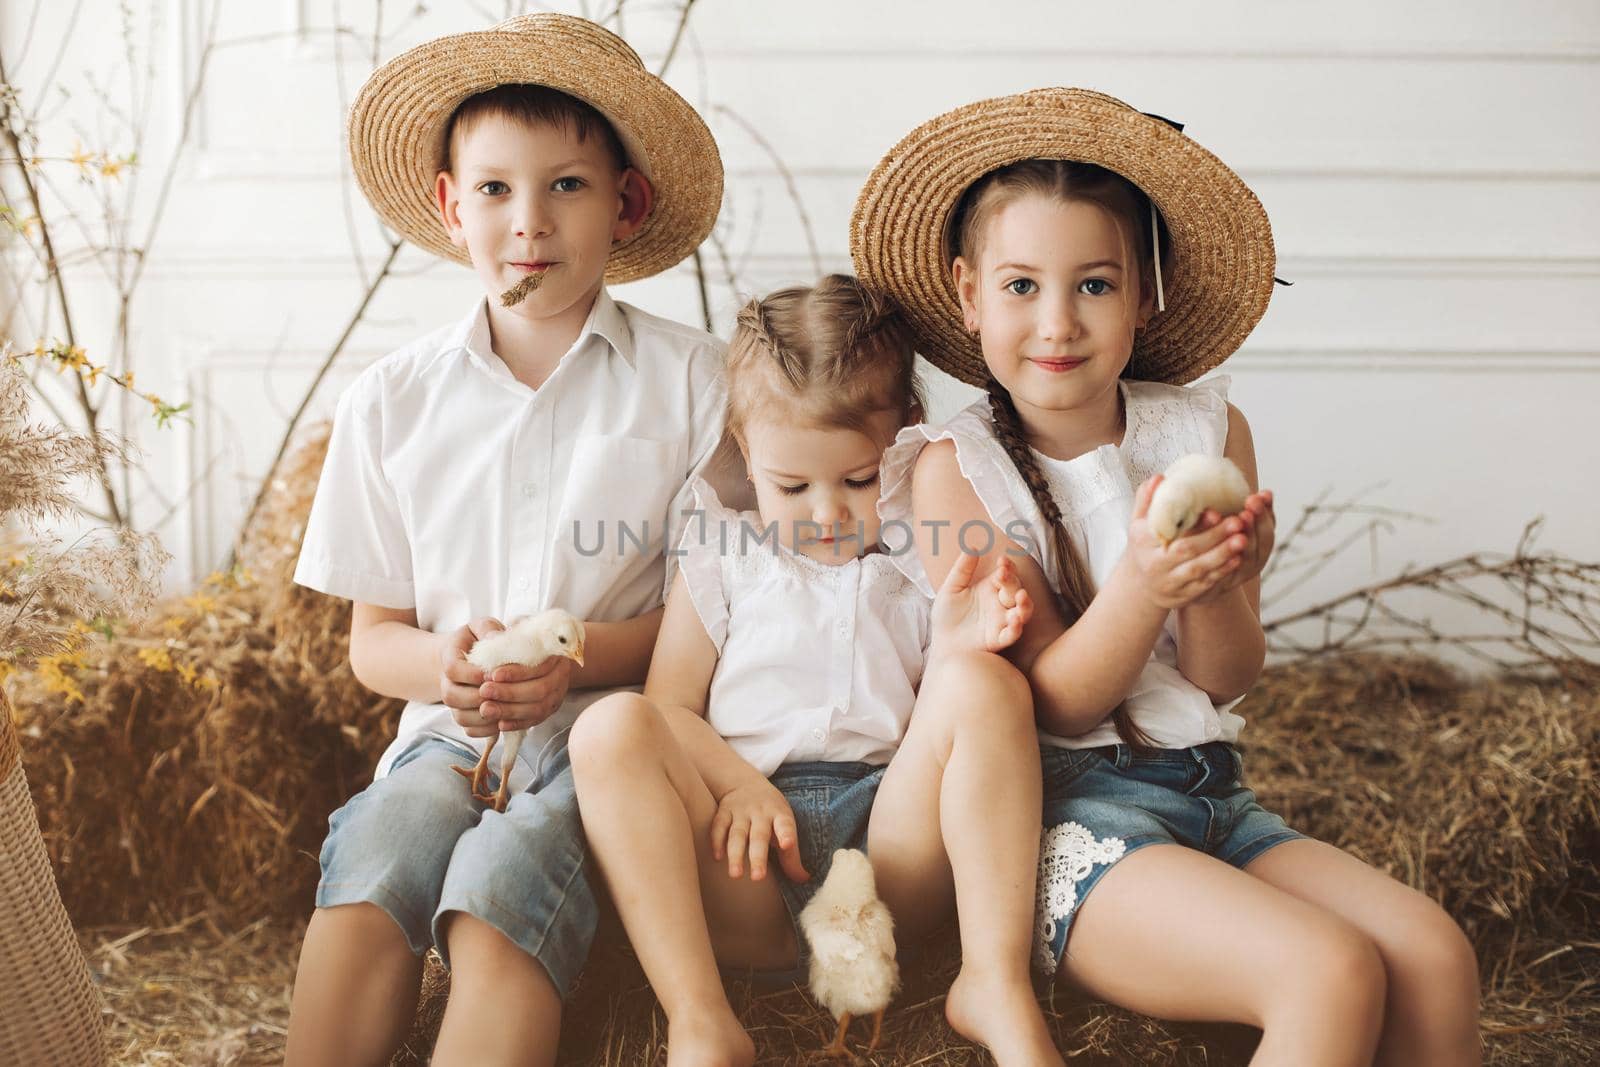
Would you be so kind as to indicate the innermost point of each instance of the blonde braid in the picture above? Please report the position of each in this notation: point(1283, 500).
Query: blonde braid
point(1072, 573)
point(753, 317)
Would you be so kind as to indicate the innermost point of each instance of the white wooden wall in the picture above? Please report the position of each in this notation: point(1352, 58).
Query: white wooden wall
point(1432, 170)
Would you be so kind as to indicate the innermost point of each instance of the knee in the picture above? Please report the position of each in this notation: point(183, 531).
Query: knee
point(1439, 968)
point(360, 930)
point(611, 733)
point(981, 688)
point(1340, 970)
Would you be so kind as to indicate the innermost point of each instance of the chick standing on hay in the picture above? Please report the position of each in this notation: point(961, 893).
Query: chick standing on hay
point(1190, 487)
point(851, 934)
point(529, 642)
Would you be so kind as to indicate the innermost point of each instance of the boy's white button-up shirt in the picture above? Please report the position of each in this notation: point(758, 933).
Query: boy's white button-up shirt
point(452, 488)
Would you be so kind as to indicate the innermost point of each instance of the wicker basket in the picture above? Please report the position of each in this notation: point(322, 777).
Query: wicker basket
point(49, 1010)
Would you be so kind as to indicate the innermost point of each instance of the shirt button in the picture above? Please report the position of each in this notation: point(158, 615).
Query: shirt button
point(844, 626)
point(529, 490)
point(1212, 730)
point(817, 735)
point(522, 583)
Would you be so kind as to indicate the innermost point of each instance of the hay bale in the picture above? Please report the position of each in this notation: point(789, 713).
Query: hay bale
point(212, 740)
point(1483, 793)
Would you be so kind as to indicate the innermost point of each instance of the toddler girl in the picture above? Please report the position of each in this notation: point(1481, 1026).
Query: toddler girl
point(1080, 261)
point(778, 712)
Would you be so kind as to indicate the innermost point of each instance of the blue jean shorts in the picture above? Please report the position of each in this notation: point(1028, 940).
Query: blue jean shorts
point(832, 803)
point(417, 845)
point(1100, 804)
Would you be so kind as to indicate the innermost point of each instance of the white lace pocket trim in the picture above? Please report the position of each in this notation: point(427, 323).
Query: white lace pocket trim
point(1067, 854)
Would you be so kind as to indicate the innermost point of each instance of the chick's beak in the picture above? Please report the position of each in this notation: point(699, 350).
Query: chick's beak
point(576, 655)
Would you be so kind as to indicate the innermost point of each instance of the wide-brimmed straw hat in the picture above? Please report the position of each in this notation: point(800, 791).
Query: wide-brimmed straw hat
point(1219, 273)
point(398, 122)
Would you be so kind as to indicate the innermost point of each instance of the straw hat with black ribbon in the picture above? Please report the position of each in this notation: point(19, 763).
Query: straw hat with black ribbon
point(398, 122)
point(1219, 273)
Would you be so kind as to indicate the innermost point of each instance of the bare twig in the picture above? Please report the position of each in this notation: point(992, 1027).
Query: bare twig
point(1546, 611)
point(677, 36)
point(305, 401)
point(783, 172)
point(53, 270)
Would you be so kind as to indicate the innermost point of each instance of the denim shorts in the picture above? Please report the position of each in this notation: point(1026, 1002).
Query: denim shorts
point(417, 845)
point(832, 803)
point(1102, 803)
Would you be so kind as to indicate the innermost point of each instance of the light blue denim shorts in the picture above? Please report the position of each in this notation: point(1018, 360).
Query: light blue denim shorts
point(417, 845)
point(832, 804)
point(1100, 804)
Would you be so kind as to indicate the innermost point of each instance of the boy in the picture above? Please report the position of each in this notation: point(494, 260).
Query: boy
point(468, 479)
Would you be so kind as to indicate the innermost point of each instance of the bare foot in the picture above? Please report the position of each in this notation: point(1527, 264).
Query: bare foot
point(1002, 1016)
point(708, 1040)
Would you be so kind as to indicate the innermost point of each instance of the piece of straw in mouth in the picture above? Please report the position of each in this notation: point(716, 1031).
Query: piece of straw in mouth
point(519, 292)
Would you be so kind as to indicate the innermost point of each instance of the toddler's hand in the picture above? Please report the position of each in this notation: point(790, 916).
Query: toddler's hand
point(988, 615)
point(459, 680)
point(1192, 566)
point(749, 818)
point(516, 697)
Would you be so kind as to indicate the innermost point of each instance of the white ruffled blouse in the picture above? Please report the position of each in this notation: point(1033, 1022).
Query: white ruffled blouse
point(1095, 492)
point(816, 662)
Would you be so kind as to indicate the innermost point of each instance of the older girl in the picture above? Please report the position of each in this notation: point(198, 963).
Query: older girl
point(1080, 261)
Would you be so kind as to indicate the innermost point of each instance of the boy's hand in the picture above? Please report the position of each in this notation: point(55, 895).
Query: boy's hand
point(749, 817)
point(1190, 568)
point(459, 680)
point(988, 615)
point(1259, 526)
point(516, 697)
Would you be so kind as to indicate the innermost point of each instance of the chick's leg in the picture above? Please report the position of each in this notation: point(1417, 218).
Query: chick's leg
point(877, 1029)
point(837, 1048)
point(480, 774)
point(508, 759)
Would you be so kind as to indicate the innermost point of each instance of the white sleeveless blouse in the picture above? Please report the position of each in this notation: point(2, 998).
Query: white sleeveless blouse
point(1095, 492)
point(816, 661)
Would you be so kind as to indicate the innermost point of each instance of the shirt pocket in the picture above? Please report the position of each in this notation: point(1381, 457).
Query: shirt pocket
point(614, 512)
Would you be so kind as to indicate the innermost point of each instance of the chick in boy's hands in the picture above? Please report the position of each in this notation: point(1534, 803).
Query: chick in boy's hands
point(988, 614)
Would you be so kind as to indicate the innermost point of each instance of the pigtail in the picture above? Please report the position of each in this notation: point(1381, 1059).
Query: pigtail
point(755, 318)
point(836, 353)
point(1072, 573)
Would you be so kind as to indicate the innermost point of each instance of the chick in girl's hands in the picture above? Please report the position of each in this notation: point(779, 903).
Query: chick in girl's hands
point(988, 614)
point(1217, 554)
point(1191, 486)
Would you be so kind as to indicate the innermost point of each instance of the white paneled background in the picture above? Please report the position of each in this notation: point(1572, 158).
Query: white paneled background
point(1432, 170)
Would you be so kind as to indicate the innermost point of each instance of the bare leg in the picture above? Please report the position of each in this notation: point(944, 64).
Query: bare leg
point(355, 991)
point(503, 1008)
point(1431, 1015)
point(647, 814)
point(958, 811)
point(1173, 933)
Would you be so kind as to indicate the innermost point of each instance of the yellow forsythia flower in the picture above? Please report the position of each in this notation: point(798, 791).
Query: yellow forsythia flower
point(156, 658)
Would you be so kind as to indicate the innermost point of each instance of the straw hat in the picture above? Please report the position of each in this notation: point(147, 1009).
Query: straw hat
point(1220, 273)
point(398, 121)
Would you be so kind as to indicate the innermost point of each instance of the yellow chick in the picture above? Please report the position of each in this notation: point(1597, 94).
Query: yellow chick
point(851, 934)
point(529, 641)
point(1189, 487)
